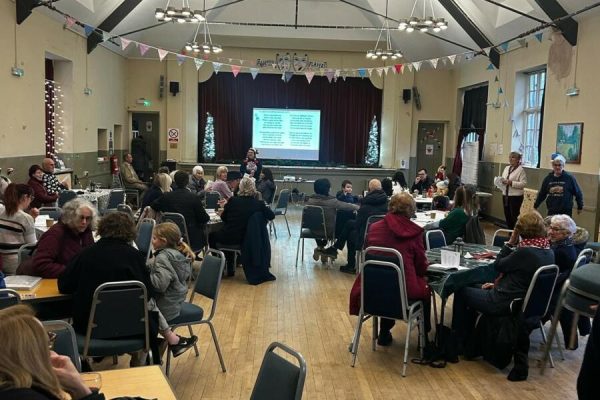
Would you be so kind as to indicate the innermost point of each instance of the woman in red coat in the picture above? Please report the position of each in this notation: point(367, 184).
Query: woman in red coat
point(397, 231)
point(42, 198)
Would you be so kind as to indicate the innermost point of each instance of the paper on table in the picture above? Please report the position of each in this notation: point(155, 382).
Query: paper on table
point(450, 258)
point(446, 267)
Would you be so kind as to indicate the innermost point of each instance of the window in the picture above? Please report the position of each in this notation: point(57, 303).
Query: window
point(535, 82)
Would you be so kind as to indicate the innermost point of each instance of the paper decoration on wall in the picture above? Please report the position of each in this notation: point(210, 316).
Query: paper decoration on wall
point(235, 69)
point(539, 36)
point(217, 67)
point(398, 68)
point(504, 46)
point(198, 63)
point(124, 43)
point(162, 54)
point(309, 76)
point(143, 48)
point(180, 59)
point(253, 72)
point(500, 91)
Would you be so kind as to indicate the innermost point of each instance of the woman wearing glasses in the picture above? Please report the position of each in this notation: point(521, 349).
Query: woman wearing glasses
point(28, 368)
point(63, 241)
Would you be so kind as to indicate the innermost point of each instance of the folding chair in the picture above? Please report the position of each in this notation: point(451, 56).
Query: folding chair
point(208, 284)
point(65, 343)
point(143, 241)
point(52, 212)
point(383, 295)
point(115, 197)
point(178, 220)
point(129, 192)
point(125, 209)
point(279, 378)
point(312, 226)
point(211, 200)
point(9, 297)
point(501, 236)
point(118, 321)
point(281, 209)
point(435, 239)
point(370, 221)
point(26, 251)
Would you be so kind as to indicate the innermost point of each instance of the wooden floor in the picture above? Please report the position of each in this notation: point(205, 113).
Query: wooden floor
point(307, 308)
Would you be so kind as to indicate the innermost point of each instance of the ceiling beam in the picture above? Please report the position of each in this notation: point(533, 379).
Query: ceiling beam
point(568, 26)
point(110, 23)
point(471, 29)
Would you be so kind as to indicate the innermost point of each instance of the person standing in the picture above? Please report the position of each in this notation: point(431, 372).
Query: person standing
point(422, 182)
point(514, 179)
point(558, 189)
point(251, 165)
point(141, 158)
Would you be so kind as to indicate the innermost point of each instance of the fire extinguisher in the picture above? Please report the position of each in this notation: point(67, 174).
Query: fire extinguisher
point(114, 165)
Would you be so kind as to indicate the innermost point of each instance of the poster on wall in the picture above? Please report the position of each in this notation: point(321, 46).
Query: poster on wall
point(428, 149)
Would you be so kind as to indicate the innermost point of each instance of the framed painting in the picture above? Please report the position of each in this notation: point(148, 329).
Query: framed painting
point(568, 141)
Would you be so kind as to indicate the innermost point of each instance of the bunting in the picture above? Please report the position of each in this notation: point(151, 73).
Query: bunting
point(496, 79)
point(386, 69)
point(198, 63)
point(362, 72)
point(417, 65)
point(162, 54)
point(500, 91)
point(69, 22)
point(370, 71)
point(504, 46)
point(329, 75)
point(434, 62)
point(452, 58)
point(539, 36)
point(235, 69)
point(398, 68)
point(487, 51)
point(288, 75)
point(180, 59)
point(490, 67)
point(522, 42)
point(410, 67)
point(309, 76)
point(88, 29)
point(143, 48)
point(380, 71)
point(254, 72)
point(124, 43)
point(217, 67)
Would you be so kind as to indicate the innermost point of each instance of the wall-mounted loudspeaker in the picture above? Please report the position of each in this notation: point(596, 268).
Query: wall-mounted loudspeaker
point(406, 95)
point(174, 88)
point(161, 86)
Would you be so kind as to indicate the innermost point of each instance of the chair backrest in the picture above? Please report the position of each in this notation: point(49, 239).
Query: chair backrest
point(26, 251)
point(125, 209)
point(383, 284)
point(282, 201)
point(501, 236)
point(143, 240)
point(179, 220)
point(211, 200)
point(313, 218)
point(370, 221)
point(52, 212)
point(540, 291)
point(434, 239)
point(440, 203)
point(119, 310)
point(208, 281)
point(115, 197)
point(588, 254)
point(65, 196)
point(473, 231)
point(278, 378)
point(9, 297)
point(66, 342)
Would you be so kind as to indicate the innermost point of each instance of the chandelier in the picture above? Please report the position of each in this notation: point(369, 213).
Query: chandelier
point(424, 23)
point(180, 15)
point(207, 46)
point(388, 52)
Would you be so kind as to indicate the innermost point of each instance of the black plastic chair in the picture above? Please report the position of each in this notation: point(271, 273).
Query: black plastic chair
point(281, 209)
point(52, 212)
point(208, 284)
point(211, 200)
point(125, 209)
point(65, 343)
point(118, 320)
point(65, 196)
point(115, 197)
point(435, 239)
point(278, 378)
point(370, 221)
point(312, 226)
point(9, 297)
point(143, 241)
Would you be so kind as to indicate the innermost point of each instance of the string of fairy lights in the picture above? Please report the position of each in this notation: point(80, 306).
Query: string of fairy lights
point(55, 125)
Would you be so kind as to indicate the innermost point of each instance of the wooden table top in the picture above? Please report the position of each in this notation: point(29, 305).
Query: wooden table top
point(148, 382)
point(47, 290)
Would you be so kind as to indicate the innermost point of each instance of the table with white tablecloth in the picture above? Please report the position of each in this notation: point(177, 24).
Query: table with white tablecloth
point(99, 197)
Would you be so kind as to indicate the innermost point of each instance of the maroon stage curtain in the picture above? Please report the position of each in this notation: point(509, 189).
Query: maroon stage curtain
point(347, 108)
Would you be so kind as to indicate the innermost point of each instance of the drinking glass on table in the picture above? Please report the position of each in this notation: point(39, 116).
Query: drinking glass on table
point(93, 380)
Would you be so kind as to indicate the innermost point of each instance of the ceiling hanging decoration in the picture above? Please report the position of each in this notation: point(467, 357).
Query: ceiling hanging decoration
point(180, 15)
point(424, 23)
point(388, 51)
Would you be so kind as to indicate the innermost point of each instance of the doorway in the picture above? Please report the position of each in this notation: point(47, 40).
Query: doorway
point(430, 146)
point(147, 126)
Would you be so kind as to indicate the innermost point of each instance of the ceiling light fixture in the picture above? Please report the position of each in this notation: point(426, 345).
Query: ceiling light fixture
point(388, 52)
point(207, 47)
point(180, 15)
point(425, 23)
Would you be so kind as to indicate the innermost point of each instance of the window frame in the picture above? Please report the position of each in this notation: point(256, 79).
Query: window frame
point(530, 145)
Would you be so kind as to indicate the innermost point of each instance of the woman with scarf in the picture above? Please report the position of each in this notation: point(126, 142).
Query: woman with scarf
point(251, 165)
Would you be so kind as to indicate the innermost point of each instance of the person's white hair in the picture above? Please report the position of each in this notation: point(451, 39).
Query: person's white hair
point(72, 210)
point(564, 222)
point(197, 169)
point(442, 185)
point(560, 158)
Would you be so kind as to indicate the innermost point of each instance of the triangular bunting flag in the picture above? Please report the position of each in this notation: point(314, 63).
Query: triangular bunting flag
point(469, 55)
point(322, 71)
point(504, 46)
point(217, 66)
point(490, 67)
point(487, 51)
point(410, 67)
point(198, 63)
point(402, 69)
point(288, 75)
point(379, 71)
point(496, 79)
point(417, 65)
point(283, 76)
point(124, 43)
point(362, 72)
point(500, 91)
point(69, 22)
point(386, 69)
point(180, 59)
point(522, 42)
point(344, 77)
point(162, 53)
point(88, 29)
point(539, 36)
point(242, 62)
point(370, 70)
point(309, 76)
point(143, 48)
point(452, 58)
point(230, 60)
point(337, 73)
point(434, 62)
point(235, 69)
point(329, 74)
point(254, 72)
point(398, 68)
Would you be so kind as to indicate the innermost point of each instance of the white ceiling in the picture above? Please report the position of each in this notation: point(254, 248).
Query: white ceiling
point(496, 23)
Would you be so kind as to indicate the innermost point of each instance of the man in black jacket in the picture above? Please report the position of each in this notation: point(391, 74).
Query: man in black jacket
point(374, 203)
point(184, 202)
point(422, 182)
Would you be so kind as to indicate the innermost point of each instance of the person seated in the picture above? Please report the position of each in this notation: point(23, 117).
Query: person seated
point(16, 226)
point(160, 185)
point(233, 181)
point(387, 185)
point(235, 216)
point(399, 182)
point(440, 174)
point(266, 185)
point(130, 177)
point(330, 206)
point(345, 194)
point(29, 369)
point(63, 241)
point(184, 202)
point(440, 200)
point(422, 182)
point(453, 184)
point(527, 250)
point(220, 183)
point(397, 231)
point(197, 182)
point(374, 203)
point(465, 206)
point(42, 197)
point(49, 180)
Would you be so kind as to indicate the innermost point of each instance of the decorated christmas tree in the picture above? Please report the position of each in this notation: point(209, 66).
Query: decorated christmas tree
point(208, 147)
point(372, 156)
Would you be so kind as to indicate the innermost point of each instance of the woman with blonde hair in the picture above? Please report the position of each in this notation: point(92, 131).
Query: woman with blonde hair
point(28, 368)
point(161, 184)
point(220, 183)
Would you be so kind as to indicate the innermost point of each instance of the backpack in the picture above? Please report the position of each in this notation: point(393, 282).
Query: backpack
point(442, 350)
